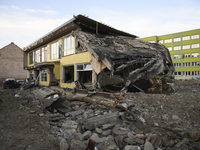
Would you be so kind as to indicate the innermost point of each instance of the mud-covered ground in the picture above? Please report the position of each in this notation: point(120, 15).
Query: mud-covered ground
point(25, 125)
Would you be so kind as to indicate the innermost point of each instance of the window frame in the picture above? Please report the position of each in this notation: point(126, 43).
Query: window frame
point(44, 73)
point(44, 54)
point(177, 39)
point(186, 38)
point(195, 36)
point(31, 54)
point(185, 47)
point(54, 52)
point(195, 45)
point(179, 48)
point(68, 50)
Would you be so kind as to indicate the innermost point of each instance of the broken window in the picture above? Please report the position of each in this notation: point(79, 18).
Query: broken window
point(37, 56)
point(31, 74)
point(44, 53)
point(68, 45)
point(79, 47)
point(68, 74)
point(44, 75)
point(54, 50)
point(84, 74)
point(30, 58)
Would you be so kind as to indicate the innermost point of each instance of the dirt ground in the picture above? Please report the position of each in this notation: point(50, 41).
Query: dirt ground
point(22, 125)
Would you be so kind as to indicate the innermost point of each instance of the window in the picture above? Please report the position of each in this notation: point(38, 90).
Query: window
point(84, 74)
point(186, 73)
point(177, 73)
point(177, 56)
point(177, 39)
point(68, 74)
point(151, 41)
point(31, 74)
point(44, 53)
point(168, 40)
point(37, 56)
point(186, 64)
point(170, 48)
point(195, 36)
point(177, 64)
point(44, 75)
point(30, 58)
point(176, 48)
point(195, 73)
point(194, 64)
point(54, 50)
point(195, 55)
point(161, 42)
point(68, 45)
point(186, 55)
point(186, 46)
point(195, 46)
point(185, 38)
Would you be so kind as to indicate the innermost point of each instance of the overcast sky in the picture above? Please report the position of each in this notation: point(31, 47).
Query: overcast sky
point(24, 21)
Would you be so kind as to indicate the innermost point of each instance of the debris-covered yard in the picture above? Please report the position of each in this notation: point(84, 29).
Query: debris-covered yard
point(59, 121)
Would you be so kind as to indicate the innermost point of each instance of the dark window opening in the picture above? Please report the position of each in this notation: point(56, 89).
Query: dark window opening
point(68, 76)
point(79, 47)
point(31, 58)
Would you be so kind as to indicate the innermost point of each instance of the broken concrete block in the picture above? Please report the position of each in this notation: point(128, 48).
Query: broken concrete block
point(74, 113)
point(87, 134)
point(70, 125)
point(64, 145)
point(92, 123)
point(148, 146)
point(75, 144)
point(120, 141)
point(139, 141)
point(108, 145)
point(97, 139)
point(98, 130)
point(69, 134)
point(116, 131)
point(79, 137)
point(107, 126)
point(106, 132)
point(130, 147)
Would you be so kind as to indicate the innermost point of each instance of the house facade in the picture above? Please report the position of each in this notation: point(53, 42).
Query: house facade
point(85, 53)
point(184, 50)
point(11, 63)
point(59, 58)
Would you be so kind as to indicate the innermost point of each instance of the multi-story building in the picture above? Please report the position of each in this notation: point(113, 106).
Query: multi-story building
point(184, 49)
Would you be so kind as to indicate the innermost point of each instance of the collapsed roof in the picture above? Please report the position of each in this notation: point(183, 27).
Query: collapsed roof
point(119, 53)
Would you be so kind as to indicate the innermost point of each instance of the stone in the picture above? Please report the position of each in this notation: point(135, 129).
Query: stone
point(94, 122)
point(116, 131)
point(108, 145)
point(77, 145)
point(120, 141)
point(70, 125)
point(158, 148)
point(107, 126)
point(106, 132)
point(25, 102)
point(148, 146)
point(98, 130)
point(139, 141)
point(79, 137)
point(130, 147)
point(74, 113)
point(167, 142)
point(64, 145)
point(86, 135)
point(97, 139)
point(69, 134)
point(131, 139)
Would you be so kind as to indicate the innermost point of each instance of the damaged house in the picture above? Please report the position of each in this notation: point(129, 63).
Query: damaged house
point(84, 53)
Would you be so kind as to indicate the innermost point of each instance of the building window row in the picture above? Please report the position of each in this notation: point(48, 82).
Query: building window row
point(186, 64)
point(178, 39)
point(194, 55)
point(187, 73)
point(184, 47)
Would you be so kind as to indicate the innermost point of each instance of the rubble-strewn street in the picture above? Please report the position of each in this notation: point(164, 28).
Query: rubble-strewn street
point(152, 121)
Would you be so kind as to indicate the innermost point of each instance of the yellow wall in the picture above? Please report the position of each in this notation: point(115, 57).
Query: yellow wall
point(72, 59)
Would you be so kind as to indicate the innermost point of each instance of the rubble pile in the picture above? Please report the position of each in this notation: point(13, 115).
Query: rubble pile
point(151, 121)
